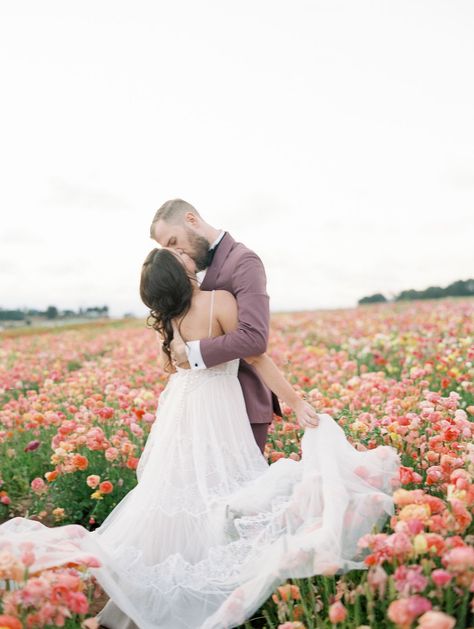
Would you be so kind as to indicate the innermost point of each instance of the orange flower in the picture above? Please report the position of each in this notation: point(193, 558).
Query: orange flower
point(132, 462)
point(274, 456)
point(106, 487)
point(80, 462)
point(287, 592)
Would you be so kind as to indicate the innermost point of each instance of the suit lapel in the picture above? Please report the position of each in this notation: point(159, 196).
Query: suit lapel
point(221, 254)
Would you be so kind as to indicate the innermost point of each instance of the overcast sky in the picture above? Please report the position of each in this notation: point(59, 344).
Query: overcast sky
point(334, 138)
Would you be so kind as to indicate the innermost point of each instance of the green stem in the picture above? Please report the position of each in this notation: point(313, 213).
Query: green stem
point(268, 619)
point(462, 617)
point(449, 601)
point(357, 610)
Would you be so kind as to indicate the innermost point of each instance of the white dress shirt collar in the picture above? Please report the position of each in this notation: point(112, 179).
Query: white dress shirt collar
point(218, 239)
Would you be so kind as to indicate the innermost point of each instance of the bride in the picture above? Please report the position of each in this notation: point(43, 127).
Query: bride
point(211, 529)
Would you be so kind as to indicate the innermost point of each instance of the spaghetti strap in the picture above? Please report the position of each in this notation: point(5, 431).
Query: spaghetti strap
point(210, 316)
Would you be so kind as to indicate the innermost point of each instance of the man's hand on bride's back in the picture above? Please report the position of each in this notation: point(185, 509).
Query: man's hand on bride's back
point(306, 415)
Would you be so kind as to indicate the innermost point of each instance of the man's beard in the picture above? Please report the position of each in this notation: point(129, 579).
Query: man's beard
point(199, 250)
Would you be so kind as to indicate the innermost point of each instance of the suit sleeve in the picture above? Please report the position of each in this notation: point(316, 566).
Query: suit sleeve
point(249, 286)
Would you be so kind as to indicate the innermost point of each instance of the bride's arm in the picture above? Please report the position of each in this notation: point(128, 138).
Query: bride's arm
point(227, 315)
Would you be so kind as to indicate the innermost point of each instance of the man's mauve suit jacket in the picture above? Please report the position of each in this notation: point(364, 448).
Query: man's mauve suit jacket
point(240, 271)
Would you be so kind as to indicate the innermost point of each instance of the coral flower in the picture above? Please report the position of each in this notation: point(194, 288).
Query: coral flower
point(435, 620)
point(337, 612)
point(106, 487)
point(80, 462)
point(287, 593)
point(9, 622)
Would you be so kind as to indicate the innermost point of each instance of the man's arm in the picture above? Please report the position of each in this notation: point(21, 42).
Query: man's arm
point(227, 315)
point(276, 382)
point(251, 336)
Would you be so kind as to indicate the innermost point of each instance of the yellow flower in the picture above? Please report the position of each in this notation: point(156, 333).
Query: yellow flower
point(358, 426)
point(58, 513)
point(421, 512)
point(420, 544)
point(458, 494)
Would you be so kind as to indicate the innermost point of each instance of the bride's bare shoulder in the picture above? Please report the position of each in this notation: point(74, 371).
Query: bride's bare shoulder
point(226, 310)
point(225, 299)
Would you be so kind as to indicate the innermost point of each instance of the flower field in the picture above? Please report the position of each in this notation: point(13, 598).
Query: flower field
point(76, 407)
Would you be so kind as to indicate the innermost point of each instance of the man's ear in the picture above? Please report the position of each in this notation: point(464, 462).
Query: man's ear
point(191, 218)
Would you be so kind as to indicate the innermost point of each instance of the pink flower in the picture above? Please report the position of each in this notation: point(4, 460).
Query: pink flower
point(148, 418)
point(459, 559)
point(435, 620)
point(35, 591)
point(377, 580)
point(404, 610)
point(434, 474)
point(38, 485)
point(111, 454)
point(32, 445)
point(415, 526)
point(400, 544)
point(78, 603)
point(337, 612)
point(28, 558)
point(91, 561)
point(440, 577)
point(409, 579)
point(93, 480)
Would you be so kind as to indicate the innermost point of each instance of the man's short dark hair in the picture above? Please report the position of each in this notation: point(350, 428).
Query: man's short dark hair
point(172, 211)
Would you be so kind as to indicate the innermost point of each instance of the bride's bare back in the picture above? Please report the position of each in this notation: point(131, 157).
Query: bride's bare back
point(212, 313)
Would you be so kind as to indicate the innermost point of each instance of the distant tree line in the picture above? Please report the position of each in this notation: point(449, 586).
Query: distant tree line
point(52, 312)
point(461, 288)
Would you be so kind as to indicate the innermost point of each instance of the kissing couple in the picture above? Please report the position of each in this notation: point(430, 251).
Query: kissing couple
point(211, 528)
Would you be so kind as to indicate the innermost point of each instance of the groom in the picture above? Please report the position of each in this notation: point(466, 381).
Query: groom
point(222, 263)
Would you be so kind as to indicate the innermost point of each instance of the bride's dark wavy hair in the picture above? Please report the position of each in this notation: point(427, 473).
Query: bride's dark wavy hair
point(166, 289)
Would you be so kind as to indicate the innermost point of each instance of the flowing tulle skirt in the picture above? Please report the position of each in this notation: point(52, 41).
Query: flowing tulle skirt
point(211, 529)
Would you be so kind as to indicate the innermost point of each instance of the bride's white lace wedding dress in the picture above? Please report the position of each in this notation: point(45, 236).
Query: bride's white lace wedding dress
point(211, 529)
